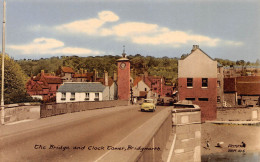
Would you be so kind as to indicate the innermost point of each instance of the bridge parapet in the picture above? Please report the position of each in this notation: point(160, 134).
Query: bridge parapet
point(152, 137)
point(186, 145)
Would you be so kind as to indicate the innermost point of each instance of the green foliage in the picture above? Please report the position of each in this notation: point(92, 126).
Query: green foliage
point(14, 82)
point(165, 66)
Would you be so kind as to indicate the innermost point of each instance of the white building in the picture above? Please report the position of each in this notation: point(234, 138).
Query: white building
point(141, 89)
point(80, 91)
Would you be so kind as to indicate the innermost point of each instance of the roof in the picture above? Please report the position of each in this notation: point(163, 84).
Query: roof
point(249, 79)
point(81, 87)
point(229, 84)
point(67, 69)
point(248, 89)
point(137, 80)
point(102, 80)
point(249, 85)
point(53, 79)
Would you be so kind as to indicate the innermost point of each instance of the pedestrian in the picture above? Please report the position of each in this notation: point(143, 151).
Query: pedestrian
point(208, 145)
point(243, 144)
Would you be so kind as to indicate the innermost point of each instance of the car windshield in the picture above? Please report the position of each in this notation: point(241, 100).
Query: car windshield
point(148, 101)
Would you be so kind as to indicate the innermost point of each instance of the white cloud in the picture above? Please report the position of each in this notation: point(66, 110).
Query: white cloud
point(233, 43)
point(139, 32)
point(89, 26)
point(51, 46)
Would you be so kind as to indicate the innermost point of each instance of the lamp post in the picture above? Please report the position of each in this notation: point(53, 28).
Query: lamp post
point(3, 58)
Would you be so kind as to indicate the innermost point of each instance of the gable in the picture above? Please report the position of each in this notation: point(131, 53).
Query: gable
point(197, 65)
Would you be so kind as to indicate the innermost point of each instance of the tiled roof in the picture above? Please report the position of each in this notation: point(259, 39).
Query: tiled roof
point(137, 80)
point(67, 69)
point(81, 87)
point(53, 79)
point(83, 75)
point(249, 85)
point(102, 80)
point(250, 79)
point(80, 75)
point(229, 84)
point(248, 89)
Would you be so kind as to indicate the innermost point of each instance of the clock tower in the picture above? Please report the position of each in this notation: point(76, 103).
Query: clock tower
point(123, 80)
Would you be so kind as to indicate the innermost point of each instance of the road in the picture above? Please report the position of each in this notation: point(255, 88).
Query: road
point(91, 136)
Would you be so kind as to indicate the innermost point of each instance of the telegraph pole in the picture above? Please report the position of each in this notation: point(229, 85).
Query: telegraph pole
point(3, 66)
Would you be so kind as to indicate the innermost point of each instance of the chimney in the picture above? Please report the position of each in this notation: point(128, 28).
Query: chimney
point(195, 47)
point(114, 76)
point(106, 78)
point(42, 72)
point(95, 75)
point(146, 73)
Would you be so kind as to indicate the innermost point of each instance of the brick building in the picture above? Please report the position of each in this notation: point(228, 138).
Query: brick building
point(43, 86)
point(242, 91)
point(197, 82)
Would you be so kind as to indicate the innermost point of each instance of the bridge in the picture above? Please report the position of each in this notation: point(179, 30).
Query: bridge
point(121, 133)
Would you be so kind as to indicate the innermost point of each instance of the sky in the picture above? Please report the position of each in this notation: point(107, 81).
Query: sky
point(227, 29)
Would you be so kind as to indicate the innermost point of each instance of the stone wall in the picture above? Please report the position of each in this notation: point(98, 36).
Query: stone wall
point(230, 99)
point(187, 129)
point(239, 114)
point(48, 110)
point(13, 114)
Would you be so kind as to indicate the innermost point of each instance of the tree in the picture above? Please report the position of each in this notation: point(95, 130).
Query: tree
point(14, 82)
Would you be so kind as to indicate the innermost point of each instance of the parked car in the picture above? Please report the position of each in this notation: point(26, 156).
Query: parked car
point(148, 105)
point(160, 101)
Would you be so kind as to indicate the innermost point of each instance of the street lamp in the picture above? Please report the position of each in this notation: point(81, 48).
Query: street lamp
point(3, 66)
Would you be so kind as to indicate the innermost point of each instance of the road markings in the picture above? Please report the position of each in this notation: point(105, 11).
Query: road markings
point(171, 150)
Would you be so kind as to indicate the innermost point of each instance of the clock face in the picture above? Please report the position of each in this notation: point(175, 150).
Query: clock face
point(122, 65)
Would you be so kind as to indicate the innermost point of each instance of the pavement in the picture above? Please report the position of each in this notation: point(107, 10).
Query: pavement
point(32, 124)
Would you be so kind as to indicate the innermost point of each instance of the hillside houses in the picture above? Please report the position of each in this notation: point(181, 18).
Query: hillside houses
point(43, 86)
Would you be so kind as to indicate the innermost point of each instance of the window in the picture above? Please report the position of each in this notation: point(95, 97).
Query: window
point(204, 82)
point(63, 96)
point(145, 89)
point(87, 97)
point(218, 83)
point(96, 96)
point(189, 82)
point(218, 99)
point(72, 96)
point(203, 99)
point(190, 99)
